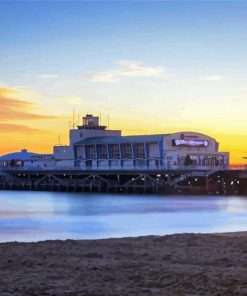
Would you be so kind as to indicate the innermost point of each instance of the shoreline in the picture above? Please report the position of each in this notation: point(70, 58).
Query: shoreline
point(177, 264)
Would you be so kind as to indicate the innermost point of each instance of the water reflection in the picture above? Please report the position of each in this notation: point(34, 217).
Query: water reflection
point(32, 216)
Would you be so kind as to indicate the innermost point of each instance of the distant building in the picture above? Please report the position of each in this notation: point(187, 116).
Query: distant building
point(26, 159)
point(22, 155)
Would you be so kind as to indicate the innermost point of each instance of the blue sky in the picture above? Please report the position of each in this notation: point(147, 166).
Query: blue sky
point(154, 66)
point(70, 37)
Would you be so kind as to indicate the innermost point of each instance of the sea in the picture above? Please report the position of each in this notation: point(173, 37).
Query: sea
point(28, 216)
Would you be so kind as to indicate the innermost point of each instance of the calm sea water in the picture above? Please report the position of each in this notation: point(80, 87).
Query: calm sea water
point(33, 216)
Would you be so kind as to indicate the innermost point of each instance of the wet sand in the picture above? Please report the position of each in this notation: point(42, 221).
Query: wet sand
point(181, 264)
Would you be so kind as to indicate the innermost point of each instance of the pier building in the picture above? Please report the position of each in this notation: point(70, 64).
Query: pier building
point(93, 146)
point(26, 159)
point(101, 160)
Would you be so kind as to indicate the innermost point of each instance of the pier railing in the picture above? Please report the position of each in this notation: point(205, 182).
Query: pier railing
point(114, 168)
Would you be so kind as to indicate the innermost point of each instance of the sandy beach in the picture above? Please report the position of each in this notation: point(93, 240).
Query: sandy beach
point(181, 264)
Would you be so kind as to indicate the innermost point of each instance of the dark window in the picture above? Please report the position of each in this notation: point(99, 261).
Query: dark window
point(140, 150)
point(91, 152)
point(127, 151)
point(102, 149)
point(114, 151)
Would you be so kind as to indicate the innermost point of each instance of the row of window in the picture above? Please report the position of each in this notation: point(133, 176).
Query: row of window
point(205, 160)
point(113, 151)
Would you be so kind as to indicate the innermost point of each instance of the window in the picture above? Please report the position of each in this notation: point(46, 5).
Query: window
point(91, 152)
point(127, 151)
point(114, 151)
point(140, 150)
point(102, 149)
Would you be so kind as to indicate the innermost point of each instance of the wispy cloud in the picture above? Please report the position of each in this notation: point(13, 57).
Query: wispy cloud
point(7, 91)
point(133, 68)
point(11, 103)
point(110, 76)
point(13, 109)
point(126, 68)
point(48, 76)
point(26, 119)
point(15, 128)
point(214, 78)
point(73, 100)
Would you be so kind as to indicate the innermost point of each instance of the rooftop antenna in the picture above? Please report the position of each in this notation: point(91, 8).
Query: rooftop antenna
point(59, 142)
point(100, 119)
point(74, 118)
point(78, 119)
point(108, 121)
point(69, 123)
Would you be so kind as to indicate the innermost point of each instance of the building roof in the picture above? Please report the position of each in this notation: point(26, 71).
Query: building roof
point(22, 155)
point(121, 139)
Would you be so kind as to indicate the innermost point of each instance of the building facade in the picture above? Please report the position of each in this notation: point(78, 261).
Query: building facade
point(99, 148)
point(94, 147)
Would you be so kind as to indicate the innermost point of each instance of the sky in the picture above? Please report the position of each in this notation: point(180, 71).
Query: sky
point(153, 67)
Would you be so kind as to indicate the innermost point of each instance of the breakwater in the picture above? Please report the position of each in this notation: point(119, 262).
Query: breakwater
point(168, 181)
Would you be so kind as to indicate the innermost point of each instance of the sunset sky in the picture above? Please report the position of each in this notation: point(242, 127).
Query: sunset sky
point(154, 67)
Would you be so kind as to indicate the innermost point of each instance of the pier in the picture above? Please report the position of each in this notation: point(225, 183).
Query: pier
point(138, 181)
point(98, 159)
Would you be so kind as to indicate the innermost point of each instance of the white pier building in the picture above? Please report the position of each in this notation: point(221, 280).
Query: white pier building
point(94, 147)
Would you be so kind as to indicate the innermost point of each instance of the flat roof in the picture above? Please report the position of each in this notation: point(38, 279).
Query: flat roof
point(121, 139)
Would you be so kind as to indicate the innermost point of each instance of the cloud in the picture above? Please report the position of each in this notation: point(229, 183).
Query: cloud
point(7, 91)
point(214, 78)
point(15, 128)
point(17, 109)
point(103, 77)
point(126, 68)
point(73, 100)
point(9, 103)
point(48, 76)
point(133, 68)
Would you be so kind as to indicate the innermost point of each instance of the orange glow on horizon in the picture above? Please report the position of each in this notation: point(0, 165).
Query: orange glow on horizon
point(27, 124)
point(42, 141)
